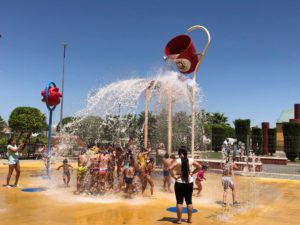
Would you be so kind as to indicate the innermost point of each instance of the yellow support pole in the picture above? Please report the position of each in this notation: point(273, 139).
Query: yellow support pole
point(170, 129)
point(146, 117)
point(202, 54)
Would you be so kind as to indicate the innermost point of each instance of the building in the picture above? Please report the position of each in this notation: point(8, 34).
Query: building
point(286, 116)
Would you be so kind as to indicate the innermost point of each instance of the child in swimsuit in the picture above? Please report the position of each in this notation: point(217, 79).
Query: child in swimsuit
point(128, 181)
point(147, 178)
point(167, 161)
point(120, 168)
point(200, 177)
point(103, 167)
point(111, 166)
point(81, 172)
point(94, 174)
point(227, 182)
point(66, 174)
point(119, 160)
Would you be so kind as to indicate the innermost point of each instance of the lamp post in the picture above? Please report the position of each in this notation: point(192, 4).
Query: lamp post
point(62, 86)
point(201, 56)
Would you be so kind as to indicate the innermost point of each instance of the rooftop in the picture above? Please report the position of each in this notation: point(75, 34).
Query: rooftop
point(286, 115)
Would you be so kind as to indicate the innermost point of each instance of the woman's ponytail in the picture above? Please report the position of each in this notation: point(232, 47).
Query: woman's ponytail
point(185, 169)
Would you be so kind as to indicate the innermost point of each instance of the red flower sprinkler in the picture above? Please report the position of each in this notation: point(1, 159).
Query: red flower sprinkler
point(51, 97)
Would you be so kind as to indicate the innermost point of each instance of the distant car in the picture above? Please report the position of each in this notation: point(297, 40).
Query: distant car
point(230, 141)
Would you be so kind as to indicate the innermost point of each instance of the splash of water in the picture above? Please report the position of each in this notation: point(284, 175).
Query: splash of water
point(114, 102)
point(123, 97)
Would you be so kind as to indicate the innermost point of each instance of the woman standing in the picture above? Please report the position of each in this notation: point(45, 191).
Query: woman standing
point(13, 160)
point(180, 171)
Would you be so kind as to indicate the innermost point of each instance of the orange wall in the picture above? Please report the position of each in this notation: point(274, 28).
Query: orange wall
point(279, 137)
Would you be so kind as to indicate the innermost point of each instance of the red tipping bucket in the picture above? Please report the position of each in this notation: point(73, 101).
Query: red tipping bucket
point(182, 51)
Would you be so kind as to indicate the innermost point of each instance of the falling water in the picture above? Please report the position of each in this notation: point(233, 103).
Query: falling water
point(126, 97)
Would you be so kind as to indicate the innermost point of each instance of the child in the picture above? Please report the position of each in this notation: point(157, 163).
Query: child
point(167, 161)
point(200, 178)
point(227, 182)
point(128, 180)
point(81, 172)
point(94, 174)
point(104, 160)
point(147, 177)
point(66, 175)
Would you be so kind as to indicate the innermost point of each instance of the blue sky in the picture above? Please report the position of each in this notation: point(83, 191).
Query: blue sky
point(251, 70)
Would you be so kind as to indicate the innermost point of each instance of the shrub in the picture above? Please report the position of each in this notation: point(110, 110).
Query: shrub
point(272, 140)
point(257, 138)
point(242, 130)
point(291, 133)
point(218, 136)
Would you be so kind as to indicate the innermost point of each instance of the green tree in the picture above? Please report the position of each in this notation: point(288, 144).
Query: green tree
point(217, 128)
point(214, 119)
point(219, 134)
point(217, 119)
point(65, 121)
point(90, 129)
point(242, 130)
point(257, 139)
point(140, 127)
point(291, 133)
point(162, 127)
point(2, 124)
point(27, 119)
point(181, 130)
point(272, 140)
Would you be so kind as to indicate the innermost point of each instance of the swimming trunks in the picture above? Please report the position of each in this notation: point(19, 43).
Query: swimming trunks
point(94, 170)
point(128, 180)
point(102, 171)
point(227, 182)
point(67, 173)
point(166, 173)
point(81, 171)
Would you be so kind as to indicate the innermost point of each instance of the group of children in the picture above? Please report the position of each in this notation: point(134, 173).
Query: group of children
point(112, 170)
point(116, 170)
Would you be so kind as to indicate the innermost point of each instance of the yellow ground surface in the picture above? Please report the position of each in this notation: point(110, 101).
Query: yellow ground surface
point(263, 201)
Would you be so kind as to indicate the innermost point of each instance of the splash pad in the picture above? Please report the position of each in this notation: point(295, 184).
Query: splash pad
point(116, 104)
point(114, 107)
point(273, 193)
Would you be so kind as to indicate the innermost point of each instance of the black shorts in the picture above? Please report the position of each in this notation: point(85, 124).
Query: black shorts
point(184, 191)
point(128, 180)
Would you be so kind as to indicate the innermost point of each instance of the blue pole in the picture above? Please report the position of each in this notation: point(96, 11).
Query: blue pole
point(49, 151)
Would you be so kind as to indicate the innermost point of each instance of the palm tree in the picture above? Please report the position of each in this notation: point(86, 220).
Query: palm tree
point(217, 119)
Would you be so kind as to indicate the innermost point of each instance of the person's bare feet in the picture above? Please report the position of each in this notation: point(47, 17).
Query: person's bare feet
point(178, 221)
point(190, 221)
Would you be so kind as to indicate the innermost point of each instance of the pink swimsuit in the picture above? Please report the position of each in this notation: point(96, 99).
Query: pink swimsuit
point(200, 175)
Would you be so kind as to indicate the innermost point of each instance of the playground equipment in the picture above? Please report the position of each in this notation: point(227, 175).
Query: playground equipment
point(182, 52)
point(52, 97)
point(154, 84)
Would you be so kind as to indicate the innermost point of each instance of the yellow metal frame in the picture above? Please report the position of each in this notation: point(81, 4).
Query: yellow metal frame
point(201, 57)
